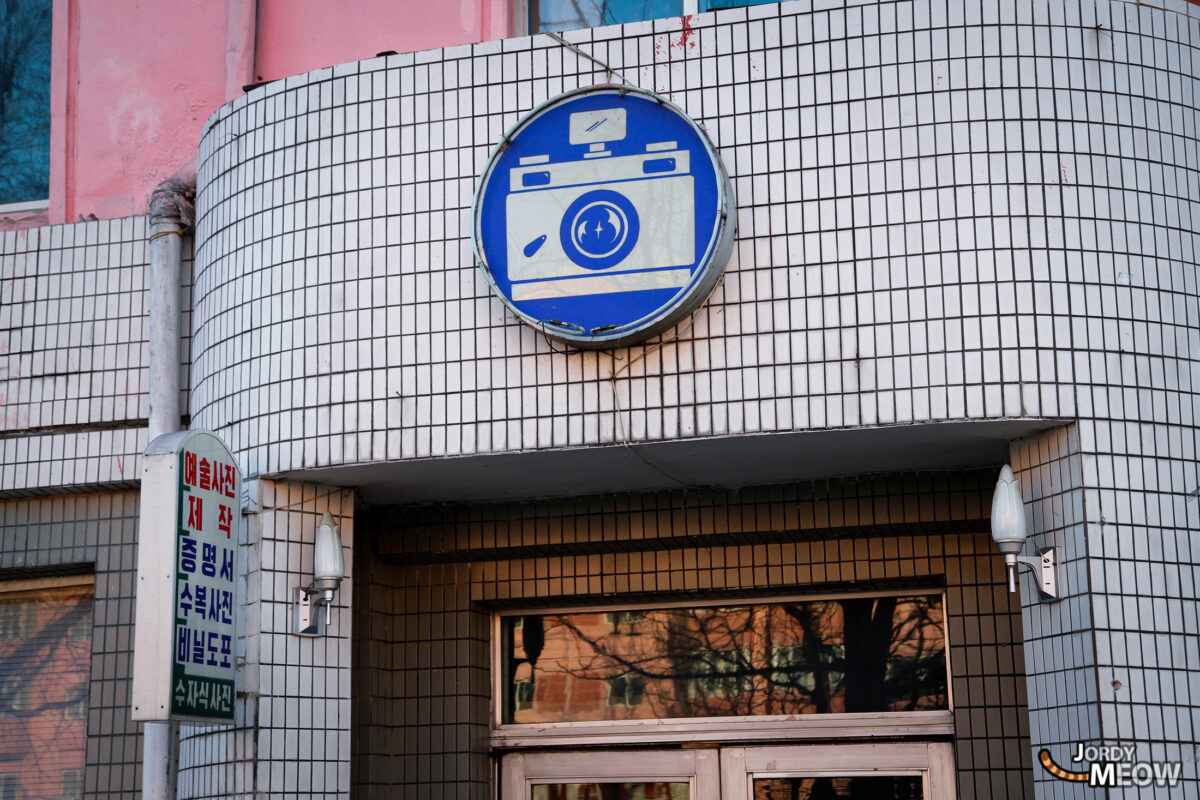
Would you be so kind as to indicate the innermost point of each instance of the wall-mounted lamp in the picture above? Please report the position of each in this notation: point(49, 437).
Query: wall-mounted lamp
point(1009, 534)
point(328, 570)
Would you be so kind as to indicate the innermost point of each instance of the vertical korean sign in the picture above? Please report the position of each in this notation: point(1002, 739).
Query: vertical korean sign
point(183, 661)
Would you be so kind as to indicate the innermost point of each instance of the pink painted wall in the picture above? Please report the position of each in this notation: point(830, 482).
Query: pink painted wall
point(296, 36)
point(134, 83)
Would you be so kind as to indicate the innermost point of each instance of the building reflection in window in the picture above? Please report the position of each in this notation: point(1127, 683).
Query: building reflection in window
point(45, 659)
point(611, 791)
point(855, 654)
point(873, 787)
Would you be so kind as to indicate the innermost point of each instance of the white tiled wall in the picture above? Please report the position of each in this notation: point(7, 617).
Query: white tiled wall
point(1060, 656)
point(947, 211)
point(71, 534)
point(292, 734)
point(1115, 661)
point(73, 382)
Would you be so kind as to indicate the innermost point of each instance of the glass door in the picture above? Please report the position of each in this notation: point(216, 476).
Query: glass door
point(897, 771)
point(611, 775)
point(891, 771)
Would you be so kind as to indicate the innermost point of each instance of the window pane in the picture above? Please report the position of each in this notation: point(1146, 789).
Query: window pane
point(610, 791)
point(863, 654)
point(45, 656)
point(565, 15)
point(72, 784)
point(891, 787)
point(24, 100)
point(713, 5)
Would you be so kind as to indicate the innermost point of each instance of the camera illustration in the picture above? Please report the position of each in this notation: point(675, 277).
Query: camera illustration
point(601, 223)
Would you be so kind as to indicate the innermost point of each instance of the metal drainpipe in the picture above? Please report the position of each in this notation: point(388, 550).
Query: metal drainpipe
point(172, 212)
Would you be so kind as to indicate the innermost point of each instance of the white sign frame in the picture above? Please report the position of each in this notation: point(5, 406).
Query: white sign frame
point(163, 688)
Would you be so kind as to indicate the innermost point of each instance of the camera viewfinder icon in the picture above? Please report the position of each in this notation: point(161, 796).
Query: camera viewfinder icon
point(597, 127)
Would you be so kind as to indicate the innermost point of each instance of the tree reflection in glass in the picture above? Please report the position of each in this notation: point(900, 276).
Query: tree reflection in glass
point(25, 28)
point(862, 787)
point(564, 15)
point(611, 791)
point(858, 654)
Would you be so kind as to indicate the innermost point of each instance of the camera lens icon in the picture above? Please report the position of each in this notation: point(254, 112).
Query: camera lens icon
point(599, 229)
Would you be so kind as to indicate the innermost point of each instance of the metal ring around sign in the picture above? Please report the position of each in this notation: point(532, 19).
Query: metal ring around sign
point(603, 217)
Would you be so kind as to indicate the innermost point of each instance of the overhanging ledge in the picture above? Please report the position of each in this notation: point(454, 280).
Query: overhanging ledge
point(709, 461)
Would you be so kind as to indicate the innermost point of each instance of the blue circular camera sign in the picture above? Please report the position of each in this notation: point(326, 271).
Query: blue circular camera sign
point(604, 217)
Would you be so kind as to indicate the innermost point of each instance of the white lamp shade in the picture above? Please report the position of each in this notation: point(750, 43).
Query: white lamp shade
point(328, 563)
point(1008, 514)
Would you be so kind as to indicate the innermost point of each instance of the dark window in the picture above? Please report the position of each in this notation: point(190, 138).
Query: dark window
point(713, 5)
point(14, 693)
point(721, 675)
point(626, 690)
point(14, 620)
point(565, 15)
point(849, 654)
point(24, 100)
point(72, 787)
point(624, 621)
point(76, 702)
point(523, 694)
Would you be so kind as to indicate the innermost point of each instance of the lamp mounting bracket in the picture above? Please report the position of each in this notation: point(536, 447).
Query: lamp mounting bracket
point(1043, 567)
